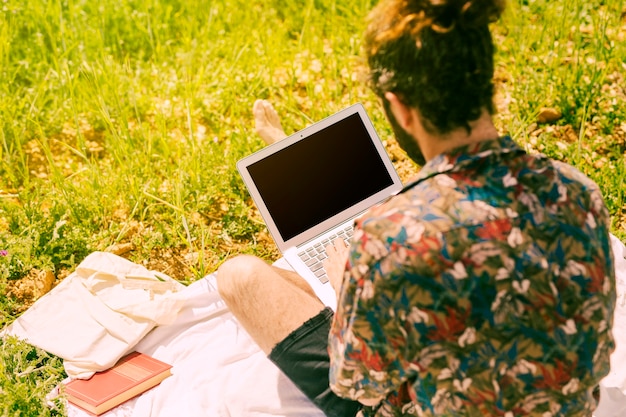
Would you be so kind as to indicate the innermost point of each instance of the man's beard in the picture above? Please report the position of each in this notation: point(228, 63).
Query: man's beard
point(407, 142)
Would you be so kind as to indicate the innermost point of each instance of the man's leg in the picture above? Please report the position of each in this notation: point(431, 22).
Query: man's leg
point(291, 325)
point(270, 303)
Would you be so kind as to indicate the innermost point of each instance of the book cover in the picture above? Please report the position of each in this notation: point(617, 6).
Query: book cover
point(131, 376)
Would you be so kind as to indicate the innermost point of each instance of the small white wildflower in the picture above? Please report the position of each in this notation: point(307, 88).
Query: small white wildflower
point(459, 272)
point(502, 273)
point(515, 238)
point(499, 297)
point(509, 180)
point(368, 290)
point(418, 316)
point(522, 287)
point(468, 337)
point(569, 327)
point(445, 373)
point(571, 387)
point(462, 386)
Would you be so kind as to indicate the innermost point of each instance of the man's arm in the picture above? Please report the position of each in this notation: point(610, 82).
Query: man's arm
point(365, 364)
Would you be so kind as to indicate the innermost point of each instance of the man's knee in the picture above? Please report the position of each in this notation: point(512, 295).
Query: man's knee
point(237, 276)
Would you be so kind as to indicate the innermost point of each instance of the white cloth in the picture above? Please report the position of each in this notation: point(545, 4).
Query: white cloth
point(218, 371)
point(613, 386)
point(92, 318)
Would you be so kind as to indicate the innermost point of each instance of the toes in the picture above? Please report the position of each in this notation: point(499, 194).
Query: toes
point(267, 122)
point(258, 110)
point(272, 115)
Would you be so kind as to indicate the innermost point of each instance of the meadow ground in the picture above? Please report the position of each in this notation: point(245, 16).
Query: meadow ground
point(121, 122)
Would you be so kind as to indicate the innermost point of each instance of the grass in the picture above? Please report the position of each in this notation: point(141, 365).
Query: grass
point(121, 122)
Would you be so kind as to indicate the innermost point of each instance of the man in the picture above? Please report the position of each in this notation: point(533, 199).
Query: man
point(484, 288)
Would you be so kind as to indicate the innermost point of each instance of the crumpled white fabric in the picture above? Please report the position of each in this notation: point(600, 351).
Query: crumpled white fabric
point(218, 370)
point(613, 386)
point(91, 320)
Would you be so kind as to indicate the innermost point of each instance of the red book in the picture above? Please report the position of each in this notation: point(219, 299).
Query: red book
point(132, 375)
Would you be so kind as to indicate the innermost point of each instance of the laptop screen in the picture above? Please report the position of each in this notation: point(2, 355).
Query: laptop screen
point(319, 176)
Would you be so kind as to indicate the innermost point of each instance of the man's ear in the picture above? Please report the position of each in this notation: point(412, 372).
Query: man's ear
point(403, 113)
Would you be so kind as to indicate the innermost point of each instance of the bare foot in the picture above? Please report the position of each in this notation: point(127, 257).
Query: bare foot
point(266, 121)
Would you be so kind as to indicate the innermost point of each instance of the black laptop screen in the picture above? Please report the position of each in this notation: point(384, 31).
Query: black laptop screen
point(320, 176)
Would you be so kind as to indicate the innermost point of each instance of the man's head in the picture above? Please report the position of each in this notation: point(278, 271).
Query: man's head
point(436, 56)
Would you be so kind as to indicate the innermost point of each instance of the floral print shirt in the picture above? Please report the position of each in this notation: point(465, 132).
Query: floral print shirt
point(484, 288)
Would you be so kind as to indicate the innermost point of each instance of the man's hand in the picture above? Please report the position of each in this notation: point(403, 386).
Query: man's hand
point(335, 264)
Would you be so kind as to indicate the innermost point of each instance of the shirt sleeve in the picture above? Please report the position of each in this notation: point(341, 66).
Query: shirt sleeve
point(376, 333)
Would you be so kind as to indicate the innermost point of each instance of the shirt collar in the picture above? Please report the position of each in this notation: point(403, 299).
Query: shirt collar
point(459, 158)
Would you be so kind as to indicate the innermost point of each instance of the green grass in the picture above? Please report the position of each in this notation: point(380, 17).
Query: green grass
point(121, 122)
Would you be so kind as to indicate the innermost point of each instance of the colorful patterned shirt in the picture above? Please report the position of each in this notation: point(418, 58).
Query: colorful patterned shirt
point(484, 288)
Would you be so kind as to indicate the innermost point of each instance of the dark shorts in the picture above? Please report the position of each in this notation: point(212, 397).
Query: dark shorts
point(303, 357)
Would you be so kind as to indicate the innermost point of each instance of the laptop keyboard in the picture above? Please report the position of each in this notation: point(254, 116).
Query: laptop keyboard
point(314, 253)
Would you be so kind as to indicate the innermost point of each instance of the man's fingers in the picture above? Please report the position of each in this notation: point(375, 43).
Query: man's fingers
point(336, 245)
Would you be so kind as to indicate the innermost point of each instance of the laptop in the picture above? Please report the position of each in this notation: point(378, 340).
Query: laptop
point(310, 187)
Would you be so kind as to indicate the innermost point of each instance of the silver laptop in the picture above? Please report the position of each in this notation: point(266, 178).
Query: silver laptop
point(310, 186)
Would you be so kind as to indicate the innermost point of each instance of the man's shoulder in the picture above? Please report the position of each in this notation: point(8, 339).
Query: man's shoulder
point(444, 206)
point(436, 206)
point(574, 174)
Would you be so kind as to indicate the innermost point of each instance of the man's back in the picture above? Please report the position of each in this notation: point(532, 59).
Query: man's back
point(483, 288)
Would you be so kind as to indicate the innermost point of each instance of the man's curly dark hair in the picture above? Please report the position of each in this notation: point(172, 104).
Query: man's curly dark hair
point(436, 56)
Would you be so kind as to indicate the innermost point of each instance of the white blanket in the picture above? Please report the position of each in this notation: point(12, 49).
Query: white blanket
point(219, 371)
point(613, 386)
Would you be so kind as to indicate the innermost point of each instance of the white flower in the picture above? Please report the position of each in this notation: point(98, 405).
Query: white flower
point(418, 316)
point(502, 273)
point(571, 387)
point(440, 397)
point(569, 327)
point(411, 409)
point(362, 269)
point(353, 393)
point(522, 287)
point(462, 386)
point(368, 290)
point(481, 251)
point(378, 375)
point(499, 297)
point(515, 238)
point(511, 214)
point(458, 271)
point(485, 208)
point(573, 269)
point(524, 367)
point(509, 180)
point(468, 337)
point(445, 373)
point(415, 231)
